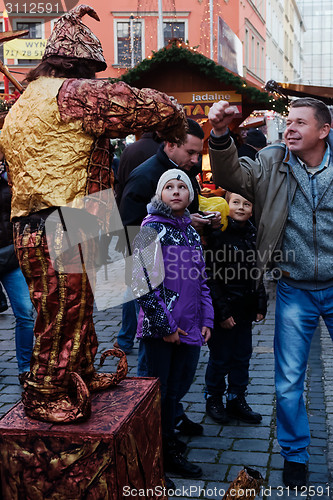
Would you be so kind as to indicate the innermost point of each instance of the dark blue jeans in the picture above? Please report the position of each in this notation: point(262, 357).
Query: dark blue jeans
point(126, 335)
point(175, 366)
point(18, 293)
point(130, 311)
point(229, 355)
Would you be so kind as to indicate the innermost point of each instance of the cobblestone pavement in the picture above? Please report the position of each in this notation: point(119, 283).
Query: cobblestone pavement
point(223, 450)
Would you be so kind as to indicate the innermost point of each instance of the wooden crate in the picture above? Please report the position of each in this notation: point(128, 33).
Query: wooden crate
point(118, 447)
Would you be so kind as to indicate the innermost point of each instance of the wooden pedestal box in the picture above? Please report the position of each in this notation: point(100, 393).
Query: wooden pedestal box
point(116, 450)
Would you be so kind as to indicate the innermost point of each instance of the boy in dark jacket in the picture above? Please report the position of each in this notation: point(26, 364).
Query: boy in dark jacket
point(230, 258)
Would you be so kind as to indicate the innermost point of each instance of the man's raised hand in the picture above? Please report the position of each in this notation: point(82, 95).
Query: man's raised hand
point(220, 115)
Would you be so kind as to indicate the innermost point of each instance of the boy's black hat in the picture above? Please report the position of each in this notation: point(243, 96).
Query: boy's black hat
point(256, 138)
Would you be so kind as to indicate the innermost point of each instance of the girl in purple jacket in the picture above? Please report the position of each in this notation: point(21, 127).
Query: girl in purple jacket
point(176, 314)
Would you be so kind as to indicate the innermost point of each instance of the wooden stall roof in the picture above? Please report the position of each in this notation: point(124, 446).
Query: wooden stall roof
point(325, 94)
point(179, 68)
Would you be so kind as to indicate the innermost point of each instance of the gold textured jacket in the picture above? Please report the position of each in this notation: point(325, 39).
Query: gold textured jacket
point(58, 127)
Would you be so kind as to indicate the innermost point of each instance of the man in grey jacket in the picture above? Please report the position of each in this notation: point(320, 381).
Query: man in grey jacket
point(291, 187)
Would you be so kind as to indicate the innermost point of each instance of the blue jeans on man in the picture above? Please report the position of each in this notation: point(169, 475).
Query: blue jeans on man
point(127, 332)
point(18, 294)
point(126, 335)
point(296, 319)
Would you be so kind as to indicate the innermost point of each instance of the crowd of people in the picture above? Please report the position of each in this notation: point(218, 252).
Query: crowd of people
point(279, 203)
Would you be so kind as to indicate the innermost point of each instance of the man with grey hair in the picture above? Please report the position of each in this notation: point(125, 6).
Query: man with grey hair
point(291, 186)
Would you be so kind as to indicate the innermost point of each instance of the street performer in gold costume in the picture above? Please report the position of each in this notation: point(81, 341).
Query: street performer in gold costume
point(56, 143)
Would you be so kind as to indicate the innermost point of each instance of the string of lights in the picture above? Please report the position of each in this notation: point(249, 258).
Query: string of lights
point(147, 11)
point(205, 30)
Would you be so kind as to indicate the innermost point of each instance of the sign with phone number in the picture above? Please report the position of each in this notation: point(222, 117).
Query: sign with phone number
point(24, 49)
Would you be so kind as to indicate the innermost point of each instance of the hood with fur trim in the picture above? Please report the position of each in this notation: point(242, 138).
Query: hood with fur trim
point(158, 207)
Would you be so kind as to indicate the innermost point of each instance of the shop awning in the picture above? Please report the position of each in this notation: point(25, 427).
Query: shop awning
point(325, 94)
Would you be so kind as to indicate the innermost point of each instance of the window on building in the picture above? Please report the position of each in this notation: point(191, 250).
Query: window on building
point(326, 36)
point(173, 29)
point(35, 31)
point(269, 69)
point(317, 21)
point(1, 45)
point(247, 48)
point(317, 48)
point(326, 73)
point(286, 45)
point(258, 59)
point(253, 61)
point(128, 43)
point(262, 72)
point(260, 6)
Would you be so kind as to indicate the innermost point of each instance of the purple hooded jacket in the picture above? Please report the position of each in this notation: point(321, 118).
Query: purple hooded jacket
point(183, 298)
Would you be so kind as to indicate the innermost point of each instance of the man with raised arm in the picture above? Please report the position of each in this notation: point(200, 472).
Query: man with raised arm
point(291, 186)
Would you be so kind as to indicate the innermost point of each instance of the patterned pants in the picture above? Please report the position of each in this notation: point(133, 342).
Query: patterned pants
point(65, 338)
point(62, 365)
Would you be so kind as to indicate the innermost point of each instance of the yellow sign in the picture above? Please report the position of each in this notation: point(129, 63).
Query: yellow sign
point(26, 48)
point(207, 97)
point(198, 104)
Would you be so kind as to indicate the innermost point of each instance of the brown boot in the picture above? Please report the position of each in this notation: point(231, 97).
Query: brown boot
point(59, 408)
point(102, 381)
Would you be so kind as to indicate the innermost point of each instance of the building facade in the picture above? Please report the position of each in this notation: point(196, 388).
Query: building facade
point(252, 32)
point(318, 42)
point(270, 33)
point(129, 31)
point(293, 42)
point(135, 29)
point(274, 40)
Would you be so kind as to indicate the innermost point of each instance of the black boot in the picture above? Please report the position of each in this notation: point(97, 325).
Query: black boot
point(3, 302)
point(187, 427)
point(176, 463)
point(215, 409)
point(180, 445)
point(169, 484)
point(239, 409)
point(294, 474)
